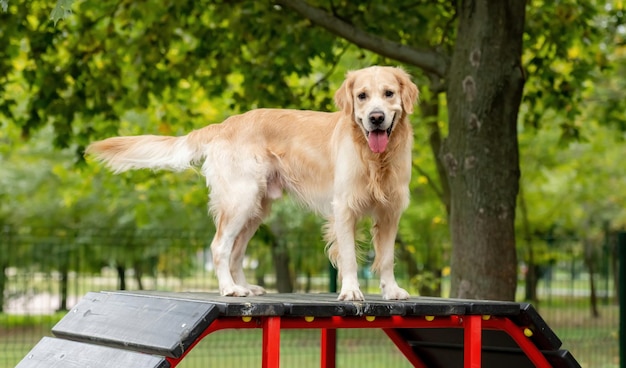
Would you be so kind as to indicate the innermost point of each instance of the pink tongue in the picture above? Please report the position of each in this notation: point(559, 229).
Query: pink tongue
point(378, 140)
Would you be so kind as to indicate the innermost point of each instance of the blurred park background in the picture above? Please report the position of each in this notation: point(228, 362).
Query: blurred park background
point(67, 226)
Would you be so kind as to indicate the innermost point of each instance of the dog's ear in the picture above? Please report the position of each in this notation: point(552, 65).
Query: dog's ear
point(343, 96)
point(409, 90)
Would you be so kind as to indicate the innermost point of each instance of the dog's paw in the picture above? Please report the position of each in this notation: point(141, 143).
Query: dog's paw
point(235, 290)
point(256, 290)
point(395, 293)
point(350, 295)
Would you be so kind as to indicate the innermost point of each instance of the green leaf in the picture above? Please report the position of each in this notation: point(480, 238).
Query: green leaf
point(61, 11)
point(4, 4)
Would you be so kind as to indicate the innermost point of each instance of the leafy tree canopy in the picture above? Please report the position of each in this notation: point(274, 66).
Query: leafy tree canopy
point(123, 67)
point(111, 57)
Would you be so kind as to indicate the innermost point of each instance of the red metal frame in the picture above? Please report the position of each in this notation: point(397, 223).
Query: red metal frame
point(328, 348)
point(271, 342)
point(472, 325)
point(404, 347)
point(472, 341)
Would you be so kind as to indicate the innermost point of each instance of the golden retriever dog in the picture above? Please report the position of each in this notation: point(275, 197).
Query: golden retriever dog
point(343, 165)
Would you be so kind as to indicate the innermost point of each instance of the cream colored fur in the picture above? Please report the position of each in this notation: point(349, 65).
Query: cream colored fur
point(323, 159)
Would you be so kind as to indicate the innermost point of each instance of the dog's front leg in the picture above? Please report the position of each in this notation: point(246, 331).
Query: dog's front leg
point(384, 233)
point(344, 227)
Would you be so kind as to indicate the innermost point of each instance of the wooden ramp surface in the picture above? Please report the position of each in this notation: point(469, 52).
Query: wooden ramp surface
point(157, 329)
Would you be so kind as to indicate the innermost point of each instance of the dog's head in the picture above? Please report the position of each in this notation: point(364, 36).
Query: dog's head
point(377, 98)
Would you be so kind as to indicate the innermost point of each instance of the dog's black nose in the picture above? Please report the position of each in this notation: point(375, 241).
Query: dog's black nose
point(376, 117)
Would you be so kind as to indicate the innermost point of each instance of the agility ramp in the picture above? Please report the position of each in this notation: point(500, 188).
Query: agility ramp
point(158, 329)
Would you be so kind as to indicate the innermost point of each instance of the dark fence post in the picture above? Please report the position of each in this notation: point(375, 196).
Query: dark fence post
point(332, 278)
point(621, 244)
point(329, 336)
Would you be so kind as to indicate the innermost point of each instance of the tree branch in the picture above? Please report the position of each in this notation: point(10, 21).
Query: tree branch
point(429, 61)
point(329, 72)
point(431, 183)
point(430, 114)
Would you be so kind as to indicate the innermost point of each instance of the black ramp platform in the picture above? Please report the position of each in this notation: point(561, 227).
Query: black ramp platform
point(162, 326)
point(51, 352)
point(157, 329)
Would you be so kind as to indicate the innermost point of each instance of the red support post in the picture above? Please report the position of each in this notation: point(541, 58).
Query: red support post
point(328, 348)
point(404, 347)
point(518, 334)
point(472, 341)
point(271, 342)
point(473, 326)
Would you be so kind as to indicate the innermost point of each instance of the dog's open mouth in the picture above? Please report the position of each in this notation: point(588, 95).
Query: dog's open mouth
point(378, 139)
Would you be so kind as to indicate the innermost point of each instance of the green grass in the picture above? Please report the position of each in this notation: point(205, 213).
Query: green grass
point(299, 348)
point(594, 341)
point(9, 321)
point(19, 333)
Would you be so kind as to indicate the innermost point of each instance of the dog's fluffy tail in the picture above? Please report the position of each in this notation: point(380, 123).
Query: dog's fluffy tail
point(147, 152)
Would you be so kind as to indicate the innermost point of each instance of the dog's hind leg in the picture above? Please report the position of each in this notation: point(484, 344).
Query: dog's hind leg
point(233, 212)
point(241, 243)
point(221, 248)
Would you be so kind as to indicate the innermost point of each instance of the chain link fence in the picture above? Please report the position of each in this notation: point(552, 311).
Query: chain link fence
point(44, 272)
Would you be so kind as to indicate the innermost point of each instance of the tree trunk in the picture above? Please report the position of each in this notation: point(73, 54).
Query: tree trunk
point(259, 277)
point(407, 256)
point(532, 281)
point(432, 287)
point(430, 114)
point(138, 268)
point(595, 312)
point(280, 255)
point(309, 282)
point(121, 275)
point(532, 274)
point(484, 92)
point(614, 251)
point(63, 287)
point(589, 262)
point(7, 256)
point(3, 283)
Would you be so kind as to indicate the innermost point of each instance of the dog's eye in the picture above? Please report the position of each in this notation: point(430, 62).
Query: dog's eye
point(389, 93)
point(362, 96)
